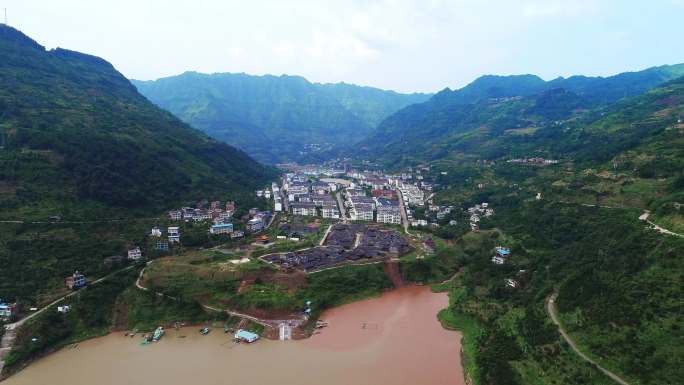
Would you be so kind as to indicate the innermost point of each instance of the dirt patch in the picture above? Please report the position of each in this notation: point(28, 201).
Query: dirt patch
point(392, 271)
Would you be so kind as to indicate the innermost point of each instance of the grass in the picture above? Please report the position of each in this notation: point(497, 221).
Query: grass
point(470, 330)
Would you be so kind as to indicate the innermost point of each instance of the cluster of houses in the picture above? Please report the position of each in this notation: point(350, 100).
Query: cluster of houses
point(258, 221)
point(312, 199)
point(433, 215)
point(205, 211)
point(500, 257)
point(173, 235)
point(477, 212)
point(383, 206)
point(533, 161)
point(501, 254)
point(220, 216)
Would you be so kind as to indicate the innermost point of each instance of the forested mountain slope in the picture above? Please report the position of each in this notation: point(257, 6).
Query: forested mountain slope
point(497, 109)
point(574, 229)
point(74, 128)
point(275, 118)
point(78, 143)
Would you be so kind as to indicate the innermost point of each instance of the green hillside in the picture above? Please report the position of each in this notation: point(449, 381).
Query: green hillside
point(79, 142)
point(275, 118)
point(483, 118)
point(618, 281)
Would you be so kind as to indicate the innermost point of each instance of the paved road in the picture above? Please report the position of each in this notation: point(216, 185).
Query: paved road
point(551, 309)
point(271, 323)
point(343, 209)
point(325, 236)
point(11, 329)
point(402, 211)
point(644, 217)
point(80, 222)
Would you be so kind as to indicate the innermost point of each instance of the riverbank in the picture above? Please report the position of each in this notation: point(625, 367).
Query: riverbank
point(392, 339)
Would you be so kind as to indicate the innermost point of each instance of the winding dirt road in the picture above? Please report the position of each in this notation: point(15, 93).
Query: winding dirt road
point(553, 313)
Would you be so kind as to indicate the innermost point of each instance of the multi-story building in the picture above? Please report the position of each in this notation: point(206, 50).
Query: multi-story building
point(389, 214)
point(304, 208)
point(362, 212)
point(173, 234)
point(221, 228)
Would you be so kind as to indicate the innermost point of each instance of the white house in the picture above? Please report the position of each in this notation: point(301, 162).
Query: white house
point(134, 254)
point(174, 234)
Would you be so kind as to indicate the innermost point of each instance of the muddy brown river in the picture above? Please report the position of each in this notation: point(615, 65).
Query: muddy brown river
point(394, 339)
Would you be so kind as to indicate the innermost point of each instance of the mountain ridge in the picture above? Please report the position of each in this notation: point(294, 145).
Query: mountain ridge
point(292, 118)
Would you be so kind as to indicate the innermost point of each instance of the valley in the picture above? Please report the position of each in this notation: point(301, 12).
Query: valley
point(512, 231)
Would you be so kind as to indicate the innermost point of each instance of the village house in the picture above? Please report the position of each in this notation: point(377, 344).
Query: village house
point(7, 310)
point(230, 206)
point(419, 223)
point(221, 228)
point(173, 234)
point(63, 309)
point(255, 224)
point(134, 254)
point(175, 215)
point(237, 234)
point(498, 260)
point(156, 232)
point(215, 205)
point(75, 281)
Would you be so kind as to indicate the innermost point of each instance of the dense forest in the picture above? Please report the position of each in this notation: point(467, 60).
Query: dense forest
point(276, 118)
point(78, 143)
point(511, 116)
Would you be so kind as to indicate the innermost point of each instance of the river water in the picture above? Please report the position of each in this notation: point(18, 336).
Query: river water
point(394, 339)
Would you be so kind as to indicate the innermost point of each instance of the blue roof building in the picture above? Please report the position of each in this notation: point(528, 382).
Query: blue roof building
point(244, 335)
point(221, 228)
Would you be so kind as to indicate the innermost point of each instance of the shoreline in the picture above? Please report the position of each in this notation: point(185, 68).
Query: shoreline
point(335, 340)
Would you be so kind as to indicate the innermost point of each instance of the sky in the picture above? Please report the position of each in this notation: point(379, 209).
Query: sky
point(407, 46)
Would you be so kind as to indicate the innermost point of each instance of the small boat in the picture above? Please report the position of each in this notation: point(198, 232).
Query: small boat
point(158, 334)
point(204, 331)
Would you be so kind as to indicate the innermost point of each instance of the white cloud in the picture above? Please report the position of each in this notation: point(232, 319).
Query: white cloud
point(399, 44)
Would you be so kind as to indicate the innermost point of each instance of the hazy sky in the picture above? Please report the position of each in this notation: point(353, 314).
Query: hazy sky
point(420, 45)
